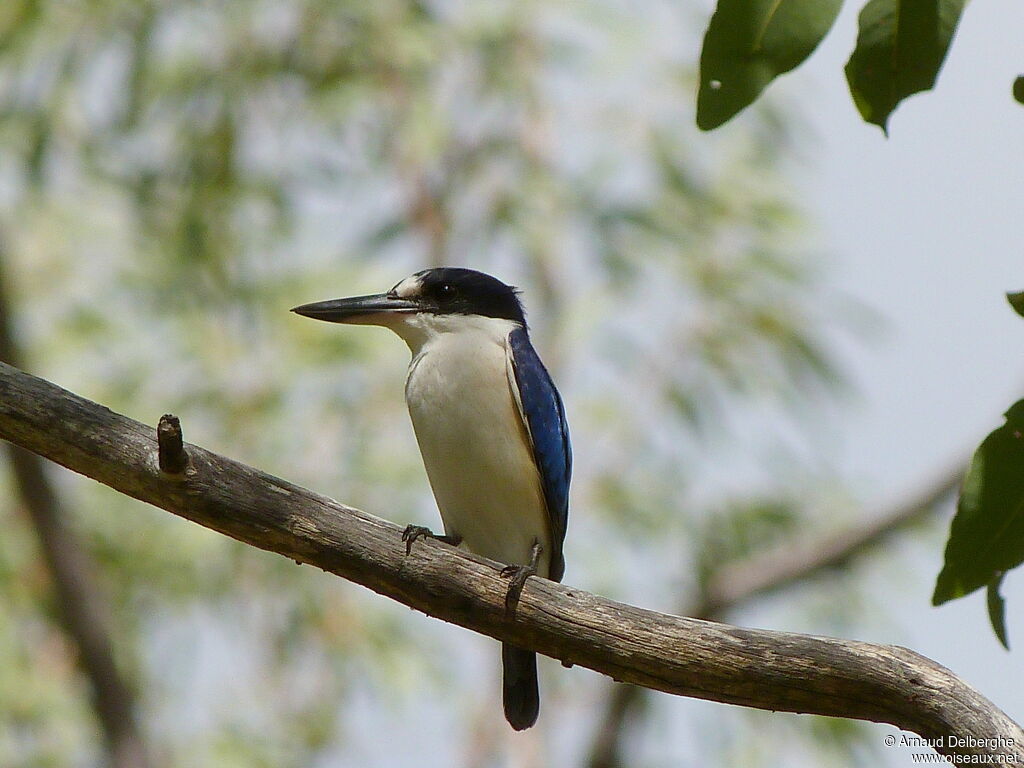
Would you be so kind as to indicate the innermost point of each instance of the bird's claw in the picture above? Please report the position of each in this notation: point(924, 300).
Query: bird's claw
point(517, 576)
point(413, 532)
point(512, 570)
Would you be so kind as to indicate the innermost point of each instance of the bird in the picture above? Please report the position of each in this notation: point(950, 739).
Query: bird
point(491, 430)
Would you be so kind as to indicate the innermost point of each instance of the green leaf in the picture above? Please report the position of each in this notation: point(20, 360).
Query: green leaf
point(900, 48)
point(987, 533)
point(751, 42)
point(997, 609)
point(1017, 302)
point(1018, 89)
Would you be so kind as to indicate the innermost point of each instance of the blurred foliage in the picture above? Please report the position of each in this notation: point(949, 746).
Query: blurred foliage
point(176, 174)
point(744, 527)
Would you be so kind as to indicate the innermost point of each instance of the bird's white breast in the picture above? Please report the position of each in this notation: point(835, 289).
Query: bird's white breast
point(474, 444)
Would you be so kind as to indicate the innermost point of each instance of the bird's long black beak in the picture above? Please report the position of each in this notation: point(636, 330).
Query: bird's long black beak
point(358, 309)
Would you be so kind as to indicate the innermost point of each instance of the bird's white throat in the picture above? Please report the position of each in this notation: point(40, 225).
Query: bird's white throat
point(421, 329)
point(472, 436)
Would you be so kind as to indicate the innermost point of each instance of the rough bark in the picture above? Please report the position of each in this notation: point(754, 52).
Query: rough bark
point(779, 671)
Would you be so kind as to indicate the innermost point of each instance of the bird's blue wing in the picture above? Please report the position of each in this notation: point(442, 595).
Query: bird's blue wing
point(544, 415)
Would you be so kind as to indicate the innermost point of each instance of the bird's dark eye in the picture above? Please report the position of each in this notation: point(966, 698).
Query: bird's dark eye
point(446, 289)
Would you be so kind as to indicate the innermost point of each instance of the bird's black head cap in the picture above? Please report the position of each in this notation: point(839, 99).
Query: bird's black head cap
point(459, 291)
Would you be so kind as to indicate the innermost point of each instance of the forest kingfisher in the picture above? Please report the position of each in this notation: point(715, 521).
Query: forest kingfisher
point(491, 429)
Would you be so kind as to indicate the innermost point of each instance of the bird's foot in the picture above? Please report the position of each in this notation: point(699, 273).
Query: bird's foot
point(517, 576)
point(414, 532)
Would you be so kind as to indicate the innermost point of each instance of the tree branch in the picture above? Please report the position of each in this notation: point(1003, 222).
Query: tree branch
point(736, 584)
point(757, 668)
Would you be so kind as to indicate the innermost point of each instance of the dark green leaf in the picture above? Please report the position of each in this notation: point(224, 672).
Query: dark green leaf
point(751, 42)
point(997, 609)
point(1018, 89)
point(987, 533)
point(1017, 302)
point(900, 49)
